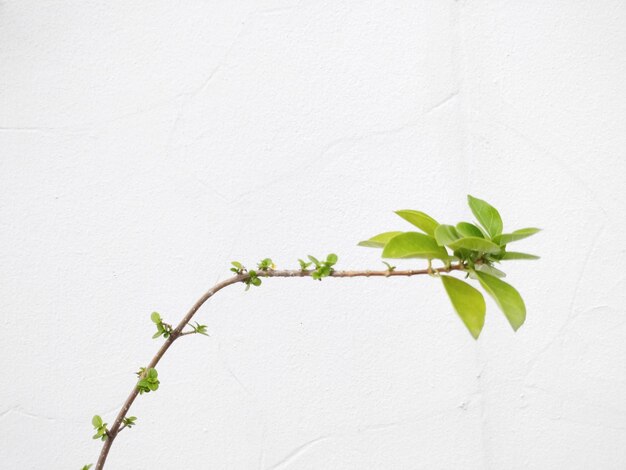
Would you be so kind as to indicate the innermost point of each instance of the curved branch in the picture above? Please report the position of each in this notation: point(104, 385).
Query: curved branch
point(177, 332)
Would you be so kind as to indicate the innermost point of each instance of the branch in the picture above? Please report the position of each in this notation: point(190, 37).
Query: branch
point(177, 332)
point(185, 333)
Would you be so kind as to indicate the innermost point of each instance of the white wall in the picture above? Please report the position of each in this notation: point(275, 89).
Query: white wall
point(144, 145)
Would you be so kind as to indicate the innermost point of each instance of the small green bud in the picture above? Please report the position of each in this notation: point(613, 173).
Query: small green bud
point(303, 264)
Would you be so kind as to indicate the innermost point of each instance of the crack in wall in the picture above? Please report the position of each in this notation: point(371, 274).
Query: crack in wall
point(298, 451)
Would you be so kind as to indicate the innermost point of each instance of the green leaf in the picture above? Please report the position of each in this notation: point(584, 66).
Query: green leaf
point(468, 303)
point(389, 267)
point(509, 255)
point(303, 264)
point(469, 230)
point(475, 244)
point(265, 264)
point(155, 317)
point(422, 221)
point(414, 245)
point(130, 421)
point(96, 421)
point(314, 260)
point(87, 467)
point(507, 298)
point(520, 234)
point(324, 271)
point(379, 241)
point(485, 268)
point(487, 215)
point(332, 259)
point(446, 234)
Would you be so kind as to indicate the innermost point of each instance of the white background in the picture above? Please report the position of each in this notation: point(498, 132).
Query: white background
point(144, 145)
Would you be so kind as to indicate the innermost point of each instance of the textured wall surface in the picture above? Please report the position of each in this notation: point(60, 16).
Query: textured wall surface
point(144, 145)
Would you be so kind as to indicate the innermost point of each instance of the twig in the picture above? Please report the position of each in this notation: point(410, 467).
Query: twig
point(185, 333)
point(177, 332)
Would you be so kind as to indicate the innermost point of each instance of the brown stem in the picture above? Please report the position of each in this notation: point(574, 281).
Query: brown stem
point(177, 332)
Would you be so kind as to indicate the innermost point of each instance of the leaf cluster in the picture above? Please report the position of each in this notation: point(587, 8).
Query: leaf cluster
point(129, 421)
point(253, 278)
point(304, 265)
point(266, 264)
point(477, 247)
point(163, 329)
point(197, 328)
point(322, 268)
point(148, 380)
point(237, 267)
point(102, 432)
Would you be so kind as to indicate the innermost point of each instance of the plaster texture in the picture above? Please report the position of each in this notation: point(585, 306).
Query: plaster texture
point(144, 145)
